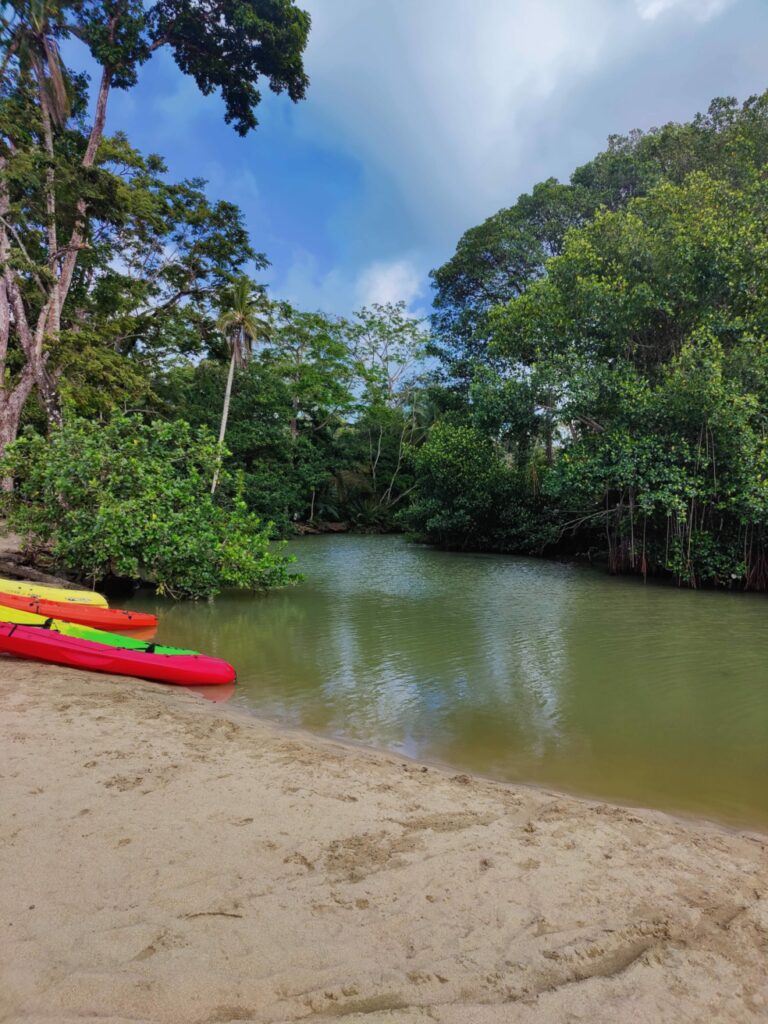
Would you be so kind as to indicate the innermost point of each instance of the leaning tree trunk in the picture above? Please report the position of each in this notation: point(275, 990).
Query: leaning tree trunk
point(35, 338)
point(224, 417)
point(13, 397)
point(12, 402)
point(48, 390)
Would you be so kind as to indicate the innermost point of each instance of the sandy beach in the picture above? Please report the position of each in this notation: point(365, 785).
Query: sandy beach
point(165, 859)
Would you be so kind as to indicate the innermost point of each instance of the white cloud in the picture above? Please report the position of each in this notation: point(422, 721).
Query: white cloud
point(394, 281)
point(344, 290)
point(701, 10)
point(308, 287)
point(237, 183)
point(434, 94)
point(450, 103)
point(451, 108)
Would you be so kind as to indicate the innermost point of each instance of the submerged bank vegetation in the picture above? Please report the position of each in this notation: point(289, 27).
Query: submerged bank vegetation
point(592, 381)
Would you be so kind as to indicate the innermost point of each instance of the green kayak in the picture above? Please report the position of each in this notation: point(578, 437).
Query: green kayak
point(98, 636)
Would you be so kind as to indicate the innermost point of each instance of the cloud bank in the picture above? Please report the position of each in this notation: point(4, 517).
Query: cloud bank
point(344, 290)
point(453, 107)
point(423, 117)
point(701, 10)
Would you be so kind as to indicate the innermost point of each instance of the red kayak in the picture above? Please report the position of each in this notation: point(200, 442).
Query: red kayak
point(113, 619)
point(46, 645)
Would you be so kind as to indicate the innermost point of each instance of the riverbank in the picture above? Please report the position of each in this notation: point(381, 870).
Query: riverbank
point(165, 860)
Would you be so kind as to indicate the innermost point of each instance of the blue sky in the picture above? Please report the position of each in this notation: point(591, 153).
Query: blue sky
point(425, 116)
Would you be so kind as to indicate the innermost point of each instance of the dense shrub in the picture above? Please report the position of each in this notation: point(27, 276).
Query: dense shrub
point(131, 499)
point(468, 495)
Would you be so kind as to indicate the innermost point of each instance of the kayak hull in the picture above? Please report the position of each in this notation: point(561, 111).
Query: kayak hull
point(179, 669)
point(114, 619)
point(44, 592)
point(99, 636)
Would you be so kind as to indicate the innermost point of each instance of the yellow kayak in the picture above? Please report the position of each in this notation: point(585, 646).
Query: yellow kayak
point(21, 618)
point(40, 590)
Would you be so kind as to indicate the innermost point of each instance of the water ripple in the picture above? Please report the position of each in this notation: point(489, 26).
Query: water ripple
point(524, 669)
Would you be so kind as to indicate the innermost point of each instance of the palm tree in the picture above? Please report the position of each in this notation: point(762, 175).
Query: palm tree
point(241, 325)
point(28, 35)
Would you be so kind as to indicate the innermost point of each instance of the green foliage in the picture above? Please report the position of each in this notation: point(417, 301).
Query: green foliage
point(275, 479)
point(320, 417)
point(230, 44)
point(647, 331)
point(147, 289)
point(495, 261)
point(99, 252)
point(393, 415)
point(144, 288)
point(625, 376)
point(503, 257)
point(468, 495)
point(242, 321)
point(131, 499)
point(225, 45)
point(633, 285)
point(676, 482)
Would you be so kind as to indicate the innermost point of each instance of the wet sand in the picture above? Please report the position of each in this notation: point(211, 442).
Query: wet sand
point(164, 859)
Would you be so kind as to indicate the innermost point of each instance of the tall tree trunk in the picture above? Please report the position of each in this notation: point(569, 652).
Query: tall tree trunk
point(13, 397)
point(48, 389)
point(12, 402)
point(5, 248)
point(62, 263)
point(54, 313)
point(9, 423)
point(549, 431)
point(224, 416)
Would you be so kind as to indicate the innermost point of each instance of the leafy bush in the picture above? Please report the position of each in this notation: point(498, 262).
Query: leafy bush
point(676, 482)
point(469, 497)
point(132, 499)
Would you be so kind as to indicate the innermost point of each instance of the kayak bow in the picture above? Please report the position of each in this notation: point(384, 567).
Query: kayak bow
point(85, 615)
point(44, 592)
point(48, 645)
point(99, 636)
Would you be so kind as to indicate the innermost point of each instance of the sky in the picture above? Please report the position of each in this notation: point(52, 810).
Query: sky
point(424, 117)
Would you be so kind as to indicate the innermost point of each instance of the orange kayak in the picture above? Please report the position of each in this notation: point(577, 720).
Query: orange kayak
point(113, 619)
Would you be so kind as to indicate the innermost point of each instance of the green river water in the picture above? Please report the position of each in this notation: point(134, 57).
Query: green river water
point(519, 669)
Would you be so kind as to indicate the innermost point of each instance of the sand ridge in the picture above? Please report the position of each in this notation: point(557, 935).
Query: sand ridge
point(164, 860)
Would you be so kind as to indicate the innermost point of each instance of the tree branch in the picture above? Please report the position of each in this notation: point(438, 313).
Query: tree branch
point(26, 255)
point(89, 157)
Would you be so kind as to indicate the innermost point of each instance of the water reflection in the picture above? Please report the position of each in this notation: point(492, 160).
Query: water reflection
point(521, 669)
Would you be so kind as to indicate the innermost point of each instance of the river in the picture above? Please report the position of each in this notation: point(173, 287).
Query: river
point(520, 669)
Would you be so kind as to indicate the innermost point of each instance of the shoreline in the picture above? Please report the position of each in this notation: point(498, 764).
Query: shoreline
point(10, 544)
point(169, 860)
point(242, 715)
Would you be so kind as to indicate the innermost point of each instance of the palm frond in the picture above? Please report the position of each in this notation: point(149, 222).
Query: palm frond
point(59, 91)
point(240, 322)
